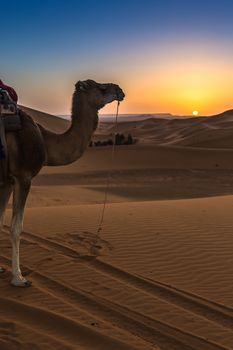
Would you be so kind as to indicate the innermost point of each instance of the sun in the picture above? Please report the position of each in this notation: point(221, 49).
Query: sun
point(195, 113)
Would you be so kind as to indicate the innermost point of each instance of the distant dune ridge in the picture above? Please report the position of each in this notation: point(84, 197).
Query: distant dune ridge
point(163, 276)
point(207, 132)
point(213, 132)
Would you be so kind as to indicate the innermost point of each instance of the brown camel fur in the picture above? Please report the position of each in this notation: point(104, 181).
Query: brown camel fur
point(33, 147)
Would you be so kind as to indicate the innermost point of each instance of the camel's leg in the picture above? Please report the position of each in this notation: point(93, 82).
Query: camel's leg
point(20, 193)
point(5, 192)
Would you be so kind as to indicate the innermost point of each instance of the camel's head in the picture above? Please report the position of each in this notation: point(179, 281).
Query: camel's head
point(98, 95)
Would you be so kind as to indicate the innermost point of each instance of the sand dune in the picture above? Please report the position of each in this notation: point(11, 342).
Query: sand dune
point(203, 132)
point(47, 120)
point(207, 132)
point(161, 275)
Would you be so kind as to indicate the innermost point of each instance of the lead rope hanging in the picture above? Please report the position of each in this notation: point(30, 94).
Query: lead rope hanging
point(95, 247)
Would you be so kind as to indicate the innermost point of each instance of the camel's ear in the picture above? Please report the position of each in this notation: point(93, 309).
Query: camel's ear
point(81, 85)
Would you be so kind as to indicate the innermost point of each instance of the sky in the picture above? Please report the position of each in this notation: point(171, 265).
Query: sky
point(168, 56)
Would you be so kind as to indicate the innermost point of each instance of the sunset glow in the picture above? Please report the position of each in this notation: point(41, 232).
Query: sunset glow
point(164, 62)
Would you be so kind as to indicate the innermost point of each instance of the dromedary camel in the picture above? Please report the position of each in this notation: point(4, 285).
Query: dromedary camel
point(33, 147)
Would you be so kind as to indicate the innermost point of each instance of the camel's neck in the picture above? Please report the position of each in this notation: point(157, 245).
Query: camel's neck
point(66, 148)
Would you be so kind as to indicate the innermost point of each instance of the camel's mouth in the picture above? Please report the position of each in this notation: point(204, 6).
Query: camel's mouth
point(120, 95)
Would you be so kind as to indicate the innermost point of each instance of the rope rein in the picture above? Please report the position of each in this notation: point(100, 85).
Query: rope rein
point(100, 226)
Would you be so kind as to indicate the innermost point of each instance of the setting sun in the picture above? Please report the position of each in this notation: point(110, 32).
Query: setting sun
point(195, 113)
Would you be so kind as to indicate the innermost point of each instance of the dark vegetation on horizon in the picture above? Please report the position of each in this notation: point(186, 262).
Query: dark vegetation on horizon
point(120, 139)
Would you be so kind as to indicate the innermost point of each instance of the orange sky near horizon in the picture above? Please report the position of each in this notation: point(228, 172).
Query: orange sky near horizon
point(177, 87)
point(168, 56)
point(180, 87)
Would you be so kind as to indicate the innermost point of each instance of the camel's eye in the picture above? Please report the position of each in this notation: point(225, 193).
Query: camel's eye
point(103, 88)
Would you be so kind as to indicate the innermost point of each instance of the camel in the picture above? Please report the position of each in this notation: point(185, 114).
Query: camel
point(33, 147)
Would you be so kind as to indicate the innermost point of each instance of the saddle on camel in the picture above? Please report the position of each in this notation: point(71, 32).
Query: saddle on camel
point(9, 122)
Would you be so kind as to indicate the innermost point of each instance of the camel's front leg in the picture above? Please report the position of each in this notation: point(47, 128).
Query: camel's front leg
point(20, 193)
point(5, 192)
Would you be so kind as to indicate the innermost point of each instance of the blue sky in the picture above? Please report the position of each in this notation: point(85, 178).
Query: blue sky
point(48, 45)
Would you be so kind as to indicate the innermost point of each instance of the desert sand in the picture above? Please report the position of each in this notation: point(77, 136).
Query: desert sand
point(162, 276)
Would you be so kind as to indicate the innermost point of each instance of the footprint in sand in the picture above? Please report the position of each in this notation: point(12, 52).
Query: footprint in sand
point(90, 241)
